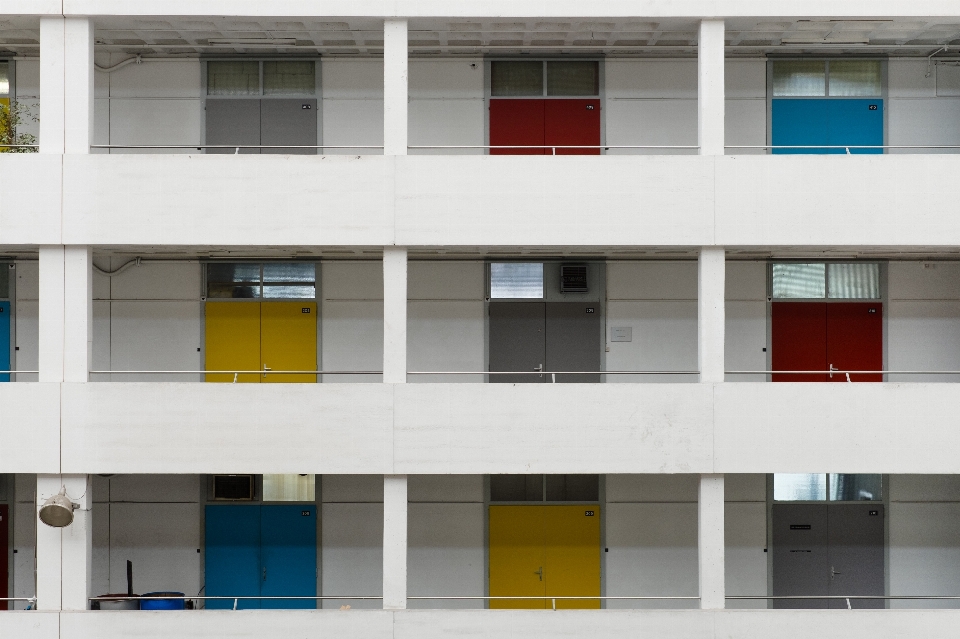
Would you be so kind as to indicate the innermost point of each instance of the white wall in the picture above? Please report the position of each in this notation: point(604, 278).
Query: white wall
point(658, 300)
point(351, 314)
point(922, 110)
point(924, 555)
point(447, 105)
point(352, 104)
point(651, 537)
point(745, 338)
point(654, 102)
point(446, 540)
point(351, 539)
point(923, 319)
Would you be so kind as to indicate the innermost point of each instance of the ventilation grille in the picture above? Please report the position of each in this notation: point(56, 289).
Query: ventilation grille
point(233, 487)
point(573, 278)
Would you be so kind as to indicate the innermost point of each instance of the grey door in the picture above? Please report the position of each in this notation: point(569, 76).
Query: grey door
point(292, 122)
point(801, 561)
point(517, 341)
point(835, 550)
point(573, 340)
point(856, 554)
point(233, 122)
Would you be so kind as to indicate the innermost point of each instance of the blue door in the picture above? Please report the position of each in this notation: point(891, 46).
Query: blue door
point(233, 555)
point(830, 122)
point(268, 551)
point(4, 340)
point(288, 554)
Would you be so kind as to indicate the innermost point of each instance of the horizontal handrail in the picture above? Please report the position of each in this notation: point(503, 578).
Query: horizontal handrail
point(281, 372)
point(553, 146)
point(19, 146)
point(553, 372)
point(841, 372)
point(801, 597)
point(29, 599)
point(253, 372)
point(841, 146)
point(12, 372)
point(234, 146)
point(225, 598)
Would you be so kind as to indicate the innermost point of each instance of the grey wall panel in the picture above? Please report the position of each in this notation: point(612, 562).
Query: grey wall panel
point(352, 553)
point(446, 553)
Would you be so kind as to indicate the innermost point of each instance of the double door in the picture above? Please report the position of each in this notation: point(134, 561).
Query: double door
point(828, 550)
point(834, 122)
point(543, 552)
point(825, 336)
point(261, 551)
point(545, 336)
point(253, 122)
point(262, 336)
point(545, 123)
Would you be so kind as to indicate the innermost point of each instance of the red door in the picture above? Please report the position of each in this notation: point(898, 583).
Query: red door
point(815, 336)
point(799, 340)
point(516, 123)
point(572, 123)
point(4, 553)
point(855, 339)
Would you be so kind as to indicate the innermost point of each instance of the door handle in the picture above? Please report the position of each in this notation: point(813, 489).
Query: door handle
point(834, 572)
point(539, 572)
point(265, 369)
point(833, 368)
point(539, 369)
point(264, 574)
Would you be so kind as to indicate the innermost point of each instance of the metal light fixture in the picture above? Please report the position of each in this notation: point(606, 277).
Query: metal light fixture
point(57, 511)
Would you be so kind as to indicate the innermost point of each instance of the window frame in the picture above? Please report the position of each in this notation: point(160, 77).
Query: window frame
point(882, 282)
point(260, 298)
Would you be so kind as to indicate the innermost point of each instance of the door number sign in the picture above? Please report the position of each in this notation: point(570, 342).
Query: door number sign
point(306, 309)
point(588, 513)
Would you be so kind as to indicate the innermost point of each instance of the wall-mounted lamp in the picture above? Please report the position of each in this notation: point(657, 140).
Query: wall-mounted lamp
point(57, 511)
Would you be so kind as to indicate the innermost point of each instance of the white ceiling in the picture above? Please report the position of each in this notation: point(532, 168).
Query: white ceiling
point(172, 36)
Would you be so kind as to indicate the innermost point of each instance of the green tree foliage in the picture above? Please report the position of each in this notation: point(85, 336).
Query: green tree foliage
point(11, 117)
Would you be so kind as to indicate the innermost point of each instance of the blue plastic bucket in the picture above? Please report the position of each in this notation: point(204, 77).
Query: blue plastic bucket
point(162, 604)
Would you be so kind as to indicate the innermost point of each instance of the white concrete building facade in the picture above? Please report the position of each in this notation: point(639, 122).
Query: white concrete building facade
point(382, 206)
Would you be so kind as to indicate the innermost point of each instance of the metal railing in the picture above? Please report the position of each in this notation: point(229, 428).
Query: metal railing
point(553, 148)
point(235, 147)
point(843, 147)
point(848, 599)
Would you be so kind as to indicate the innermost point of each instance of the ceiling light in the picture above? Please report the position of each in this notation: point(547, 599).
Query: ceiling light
point(57, 511)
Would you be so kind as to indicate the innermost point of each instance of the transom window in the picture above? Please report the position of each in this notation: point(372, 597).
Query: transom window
point(827, 78)
point(540, 488)
point(269, 280)
point(534, 79)
point(827, 487)
point(516, 280)
point(826, 280)
point(269, 78)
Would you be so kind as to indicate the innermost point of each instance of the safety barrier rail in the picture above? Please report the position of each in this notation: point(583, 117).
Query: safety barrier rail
point(844, 147)
point(236, 148)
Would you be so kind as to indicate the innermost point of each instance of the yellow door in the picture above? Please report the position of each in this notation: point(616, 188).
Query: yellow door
point(288, 340)
point(516, 556)
point(232, 335)
point(572, 554)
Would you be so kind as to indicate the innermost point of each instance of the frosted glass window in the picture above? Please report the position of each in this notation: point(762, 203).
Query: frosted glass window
point(233, 78)
point(855, 78)
point(4, 79)
point(289, 78)
point(848, 487)
point(513, 280)
point(233, 281)
point(799, 78)
point(799, 487)
point(516, 487)
point(289, 488)
point(853, 281)
point(4, 281)
point(516, 78)
point(799, 281)
point(282, 272)
point(573, 78)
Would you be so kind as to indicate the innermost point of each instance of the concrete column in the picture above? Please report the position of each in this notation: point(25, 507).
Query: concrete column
point(394, 542)
point(395, 56)
point(66, 313)
point(64, 555)
point(710, 542)
point(711, 278)
point(394, 315)
point(710, 92)
point(66, 85)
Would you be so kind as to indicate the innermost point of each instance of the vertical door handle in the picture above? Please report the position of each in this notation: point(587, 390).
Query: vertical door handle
point(264, 573)
point(833, 368)
point(539, 369)
point(539, 573)
point(833, 572)
point(265, 369)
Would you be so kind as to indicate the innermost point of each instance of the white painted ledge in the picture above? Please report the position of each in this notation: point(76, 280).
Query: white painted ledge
point(493, 624)
point(688, 201)
point(30, 198)
point(482, 428)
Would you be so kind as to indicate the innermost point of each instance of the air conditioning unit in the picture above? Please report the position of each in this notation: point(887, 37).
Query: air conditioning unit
point(573, 278)
point(233, 487)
